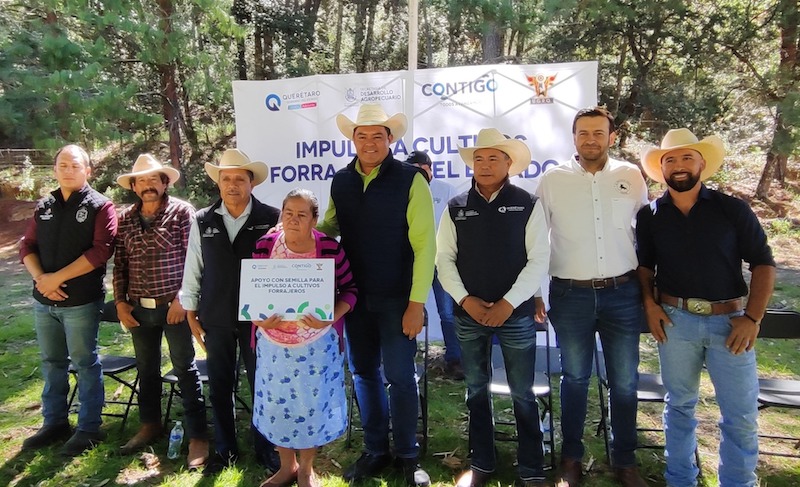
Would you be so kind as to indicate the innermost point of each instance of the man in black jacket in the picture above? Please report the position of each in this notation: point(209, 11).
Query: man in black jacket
point(221, 236)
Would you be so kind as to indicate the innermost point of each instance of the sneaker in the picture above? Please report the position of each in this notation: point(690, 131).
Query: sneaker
point(367, 466)
point(413, 474)
point(80, 442)
point(46, 436)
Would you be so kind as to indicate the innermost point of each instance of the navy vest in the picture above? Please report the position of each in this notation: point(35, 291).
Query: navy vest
point(64, 231)
point(374, 228)
point(491, 242)
point(219, 286)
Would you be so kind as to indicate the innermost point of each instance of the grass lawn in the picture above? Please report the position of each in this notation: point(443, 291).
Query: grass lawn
point(20, 387)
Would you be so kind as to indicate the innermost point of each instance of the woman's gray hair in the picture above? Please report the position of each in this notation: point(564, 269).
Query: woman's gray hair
point(307, 195)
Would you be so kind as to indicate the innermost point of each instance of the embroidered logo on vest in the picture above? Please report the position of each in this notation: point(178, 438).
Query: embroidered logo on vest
point(210, 232)
point(504, 209)
point(82, 214)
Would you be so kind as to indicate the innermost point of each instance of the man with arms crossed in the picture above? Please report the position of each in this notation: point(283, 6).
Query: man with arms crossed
point(590, 203)
point(691, 244)
point(383, 211)
point(148, 268)
point(65, 249)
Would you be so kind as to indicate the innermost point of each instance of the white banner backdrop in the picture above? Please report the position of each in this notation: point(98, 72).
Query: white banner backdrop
point(290, 124)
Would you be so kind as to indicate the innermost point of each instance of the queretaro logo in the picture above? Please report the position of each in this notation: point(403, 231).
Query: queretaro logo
point(541, 84)
point(350, 95)
point(273, 102)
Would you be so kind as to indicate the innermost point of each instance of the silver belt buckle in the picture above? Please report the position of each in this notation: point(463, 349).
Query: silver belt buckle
point(699, 306)
point(149, 303)
point(598, 283)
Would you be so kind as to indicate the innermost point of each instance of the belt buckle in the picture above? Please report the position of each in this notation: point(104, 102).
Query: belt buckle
point(598, 283)
point(149, 303)
point(699, 306)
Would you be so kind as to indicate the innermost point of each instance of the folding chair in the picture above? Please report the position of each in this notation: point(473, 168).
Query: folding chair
point(422, 388)
point(171, 378)
point(780, 393)
point(542, 389)
point(114, 366)
point(650, 389)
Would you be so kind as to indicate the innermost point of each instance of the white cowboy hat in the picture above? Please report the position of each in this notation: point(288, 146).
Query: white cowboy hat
point(517, 150)
point(147, 164)
point(373, 114)
point(236, 159)
point(710, 148)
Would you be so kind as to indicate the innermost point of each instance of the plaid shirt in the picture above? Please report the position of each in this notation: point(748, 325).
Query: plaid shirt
point(148, 261)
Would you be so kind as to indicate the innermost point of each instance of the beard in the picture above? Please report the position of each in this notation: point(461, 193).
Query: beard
point(683, 185)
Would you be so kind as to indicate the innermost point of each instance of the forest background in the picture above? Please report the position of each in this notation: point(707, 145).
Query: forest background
point(125, 76)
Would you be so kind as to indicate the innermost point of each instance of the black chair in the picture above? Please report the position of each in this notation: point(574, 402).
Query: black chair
point(171, 379)
point(114, 368)
point(422, 387)
point(650, 389)
point(542, 389)
point(780, 393)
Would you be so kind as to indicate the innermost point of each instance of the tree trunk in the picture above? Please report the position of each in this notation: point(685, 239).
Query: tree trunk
point(777, 157)
point(169, 89)
point(258, 52)
point(337, 46)
point(239, 12)
point(492, 41)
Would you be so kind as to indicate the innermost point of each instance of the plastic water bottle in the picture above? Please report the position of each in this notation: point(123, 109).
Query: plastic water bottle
point(545, 427)
point(175, 441)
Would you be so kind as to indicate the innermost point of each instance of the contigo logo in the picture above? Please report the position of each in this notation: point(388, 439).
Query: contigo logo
point(446, 90)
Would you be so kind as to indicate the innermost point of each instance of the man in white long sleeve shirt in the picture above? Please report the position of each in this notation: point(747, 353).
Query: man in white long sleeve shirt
point(492, 254)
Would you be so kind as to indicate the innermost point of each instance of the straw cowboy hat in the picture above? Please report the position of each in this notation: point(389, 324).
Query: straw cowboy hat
point(236, 159)
point(710, 148)
point(517, 150)
point(373, 114)
point(147, 164)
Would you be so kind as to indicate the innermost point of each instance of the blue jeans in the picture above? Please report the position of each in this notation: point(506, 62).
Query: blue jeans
point(444, 305)
point(64, 334)
point(147, 345)
point(517, 339)
point(374, 332)
point(692, 341)
point(616, 314)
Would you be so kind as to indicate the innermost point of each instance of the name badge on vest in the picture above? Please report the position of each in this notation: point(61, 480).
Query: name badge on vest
point(462, 215)
point(210, 232)
point(258, 227)
point(509, 209)
point(47, 215)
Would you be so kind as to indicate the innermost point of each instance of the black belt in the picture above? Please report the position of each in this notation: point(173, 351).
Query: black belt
point(599, 283)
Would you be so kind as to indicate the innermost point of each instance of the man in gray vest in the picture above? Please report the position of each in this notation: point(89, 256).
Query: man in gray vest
point(493, 253)
point(221, 236)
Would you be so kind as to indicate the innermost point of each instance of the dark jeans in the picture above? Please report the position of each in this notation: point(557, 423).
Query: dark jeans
point(375, 332)
point(617, 315)
point(222, 357)
point(517, 339)
point(147, 344)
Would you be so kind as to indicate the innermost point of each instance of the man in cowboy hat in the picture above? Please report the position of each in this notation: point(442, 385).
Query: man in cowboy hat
point(148, 268)
point(691, 243)
point(65, 249)
point(441, 192)
point(383, 211)
point(590, 203)
point(220, 237)
point(492, 255)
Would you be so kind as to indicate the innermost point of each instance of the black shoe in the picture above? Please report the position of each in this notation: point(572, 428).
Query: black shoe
point(413, 473)
point(80, 442)
point(270, 460)
point(46, 436)
point(473, 478)
point(533, 482)
point(217, 463)
point(454, 370)
point(367, 466)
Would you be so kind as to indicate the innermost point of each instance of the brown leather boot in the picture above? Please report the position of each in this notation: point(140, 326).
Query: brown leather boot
point(629, 476)
point(148, 433)
point(198, 453)
point(571, 473)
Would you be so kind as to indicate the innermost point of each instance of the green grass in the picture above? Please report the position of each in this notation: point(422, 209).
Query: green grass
point(20, 386)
